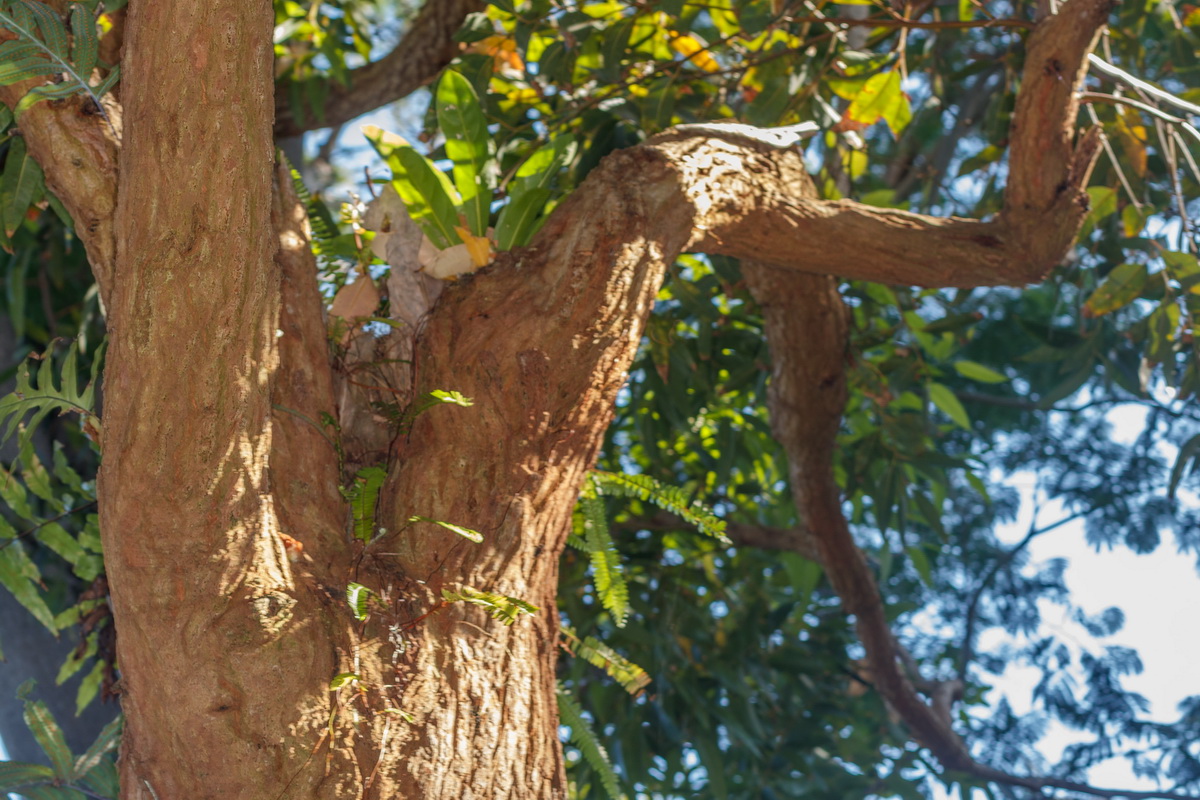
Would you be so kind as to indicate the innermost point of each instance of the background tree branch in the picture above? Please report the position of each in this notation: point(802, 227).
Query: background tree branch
point(426, 48)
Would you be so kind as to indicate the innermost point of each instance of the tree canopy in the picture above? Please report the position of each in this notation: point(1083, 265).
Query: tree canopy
point(721, 635)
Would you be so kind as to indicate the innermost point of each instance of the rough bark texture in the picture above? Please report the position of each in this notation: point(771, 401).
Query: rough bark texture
point(202, 591)
point(218, 469)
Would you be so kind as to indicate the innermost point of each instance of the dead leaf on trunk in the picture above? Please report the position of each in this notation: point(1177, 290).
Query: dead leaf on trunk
point(356, 300)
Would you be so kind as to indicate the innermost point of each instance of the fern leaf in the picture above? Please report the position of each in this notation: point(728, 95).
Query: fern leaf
point(631, 677)
point(359, 598)
point(43, 47)
point(363, 495)
point(584, 738)
point(85, 50)
point(44, 395)
point(607, 573)
point(500, 607)
point(668, 498)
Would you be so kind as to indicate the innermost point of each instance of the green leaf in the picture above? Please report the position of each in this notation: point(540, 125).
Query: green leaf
point(500, 607)
point(427, 193)
point(85, 47)
point(22, 185)
point(15, 290)
point(668, 498)
point(520, 218)
point(881, 98)
point(461, 119)
point(978, 372)
point(359, 598)
point(89, 687)
point(584, 738)
point(19, 575)
point(15, 774)
point(44, 395)
point(76, 658)
point(942, 397)
point(45, 729)
point(633, 679)
point(466, 533)
point(342, 679)
point(363, 495)
point(1121, 287)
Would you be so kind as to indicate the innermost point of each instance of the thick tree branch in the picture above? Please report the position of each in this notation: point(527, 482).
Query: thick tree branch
point(806, 330)
point(428, 46)
point(748, 205)
point(79, 155)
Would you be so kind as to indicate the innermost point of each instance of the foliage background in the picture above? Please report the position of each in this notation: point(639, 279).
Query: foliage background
point(755, 689)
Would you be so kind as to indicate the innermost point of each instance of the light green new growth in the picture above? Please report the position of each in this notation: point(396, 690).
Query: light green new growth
point(499, 606)
point(632, 678)
point(593, 537)
point(363, 495)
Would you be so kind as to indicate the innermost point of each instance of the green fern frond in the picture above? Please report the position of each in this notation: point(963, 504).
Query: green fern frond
point(631, 677)
point(363, 495)
point(608, 575)
point(321, 232)
point(584, 738)
point(500, 607)
point(668, 498)
point(45, 394)
point(43, 48)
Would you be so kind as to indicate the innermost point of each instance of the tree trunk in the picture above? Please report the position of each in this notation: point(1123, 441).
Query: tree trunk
point(245, 672)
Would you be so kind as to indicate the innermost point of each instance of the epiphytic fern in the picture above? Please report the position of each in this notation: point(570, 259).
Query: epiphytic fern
point(632, 678)
point(45, 48)
point(46, 394)
point(499, 606)
point(584, 738)
point(668, 498)
point(591, 535)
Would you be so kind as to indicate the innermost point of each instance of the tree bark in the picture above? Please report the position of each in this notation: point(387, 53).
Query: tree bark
point(227, 545)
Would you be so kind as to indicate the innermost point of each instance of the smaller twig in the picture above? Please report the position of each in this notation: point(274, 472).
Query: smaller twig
point(1101, 97)
point(1112, 157)
point(1104, 68)
point(901, 22)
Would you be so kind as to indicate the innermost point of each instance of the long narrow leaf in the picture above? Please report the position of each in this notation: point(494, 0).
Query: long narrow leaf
point(461, 119)
point(45, 729)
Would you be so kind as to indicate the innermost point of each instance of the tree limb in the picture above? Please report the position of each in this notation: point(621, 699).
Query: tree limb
point(742, 534)
point(427, 47)
point(1045, 201)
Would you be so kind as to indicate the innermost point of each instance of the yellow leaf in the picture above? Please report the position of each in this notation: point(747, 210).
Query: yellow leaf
point(479, 247)
point(881, 98)
point(502, 49)
point(690, 47)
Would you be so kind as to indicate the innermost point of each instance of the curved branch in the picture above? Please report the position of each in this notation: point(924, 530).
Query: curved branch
point(78, 154)
point(427, 47)
point(1045, 201)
